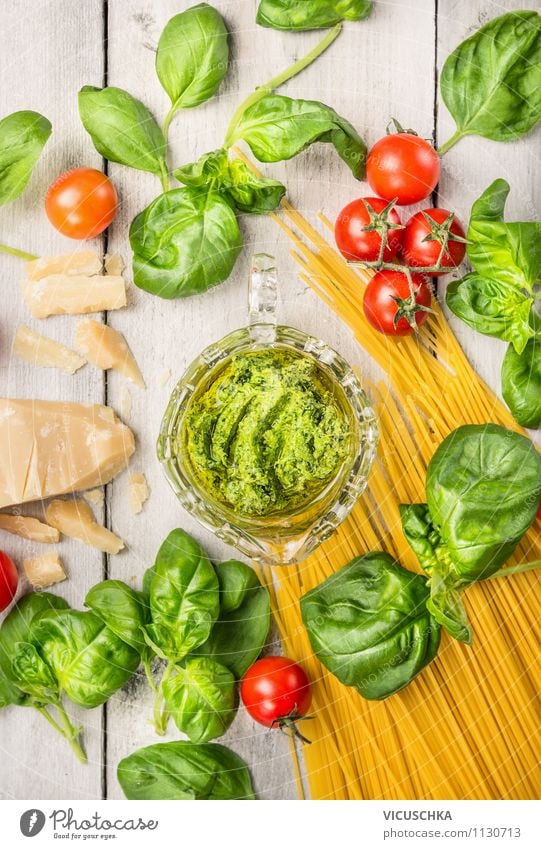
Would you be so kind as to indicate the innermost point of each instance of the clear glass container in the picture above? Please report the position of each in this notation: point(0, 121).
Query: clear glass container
point(283, 537)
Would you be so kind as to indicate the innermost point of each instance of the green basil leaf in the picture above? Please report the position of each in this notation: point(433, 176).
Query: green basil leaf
point(369, 625)
point(521, 383)
point(22, 138)
point(193, 56)
point(483, 487)
point(447, 608)
point(182, 770)
point(88, 660)
point(124, 610)
point(491, 83)
point(278, 128)
point(122, 128)
point(310, 14)
point(184, 242)
point(240, 633)
point(184, 597)
point(492, 307)
point(201, 698)
point(209, 171)
point(34, 674)
point(507, 252)
point(424, 539)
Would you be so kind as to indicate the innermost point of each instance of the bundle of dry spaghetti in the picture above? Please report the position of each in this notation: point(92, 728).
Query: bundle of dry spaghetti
point(469, 725)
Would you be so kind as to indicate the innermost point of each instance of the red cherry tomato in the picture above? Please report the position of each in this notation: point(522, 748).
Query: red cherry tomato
point(81, 203)
point(356, 242)
point(403, 166)
point(9, 580)
point(390, 306)
point(425, 234)
point(276, 693)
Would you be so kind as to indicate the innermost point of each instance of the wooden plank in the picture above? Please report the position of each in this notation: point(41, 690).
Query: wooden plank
point(364, 81)
point(49, 51)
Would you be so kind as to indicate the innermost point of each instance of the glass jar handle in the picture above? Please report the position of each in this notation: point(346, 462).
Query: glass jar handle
point(262, 298)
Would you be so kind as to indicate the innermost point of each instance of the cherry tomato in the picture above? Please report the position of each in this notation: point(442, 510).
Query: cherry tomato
point(9, 580)
point(403, 166)
point(356, 242)
point(390, 306)
point(425, 234)
point(276, 693)
point(81, 203)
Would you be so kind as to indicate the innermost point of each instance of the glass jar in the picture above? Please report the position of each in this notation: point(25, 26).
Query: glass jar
point(287, 536)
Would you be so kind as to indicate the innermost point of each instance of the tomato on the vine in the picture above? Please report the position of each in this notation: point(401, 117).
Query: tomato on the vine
point(362, 225)
point(431, 235)
point(9, 580)
point(81, 203)
point(394, 307)
point(277, 693)
point(404, 167)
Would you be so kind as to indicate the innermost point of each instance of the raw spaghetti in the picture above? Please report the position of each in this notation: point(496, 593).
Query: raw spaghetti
point(469, 725)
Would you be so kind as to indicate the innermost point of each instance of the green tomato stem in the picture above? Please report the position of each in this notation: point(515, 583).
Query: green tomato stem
point(67, 730)
point(395, 266)
point(516, 570)
point(442, 149)
point(16, 252)
point(279, 80)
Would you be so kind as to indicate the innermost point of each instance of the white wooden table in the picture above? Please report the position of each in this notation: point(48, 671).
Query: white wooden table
point(385, 66)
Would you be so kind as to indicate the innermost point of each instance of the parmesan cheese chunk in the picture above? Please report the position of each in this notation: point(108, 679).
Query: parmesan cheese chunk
point(75, 519)
point(83, 262)
point(106, 348)
point(44, 571)
point(65, 294)
point(94, 496)
point(42, 351)
point(28, 527)
point(49, 448)
point(139, 492)
point(114, 264)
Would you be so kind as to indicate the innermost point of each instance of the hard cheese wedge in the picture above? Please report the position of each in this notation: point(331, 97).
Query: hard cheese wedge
point(42, 351)
point(82, 262)
point(106, 348)
point(49, 448)
point(29, 528)
point(44, 571)
point(70, 294)
point(76, 520)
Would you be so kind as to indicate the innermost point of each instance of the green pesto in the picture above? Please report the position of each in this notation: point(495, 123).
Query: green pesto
point(267, 433)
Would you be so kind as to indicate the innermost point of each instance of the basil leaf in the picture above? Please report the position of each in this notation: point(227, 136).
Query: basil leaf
point(233, 179)
point(483, 487)
point(369, 625)
point(491, 83)
point(36, 676)
point(311, 14)
point(278, 128)
point(508, 252)
point(237, 583)
point(22, 138)
point(201, 698)
point(124, 610)
point(193, 56)
point(521, 383)
point(447, 608)
point(240, 633)
point(182, 770)
point(493, 308)
point(88, 660)
point(122, 128)
point(184, 598)
point(184, 242)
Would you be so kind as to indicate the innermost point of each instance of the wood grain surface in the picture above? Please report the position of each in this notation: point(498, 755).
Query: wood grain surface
point(383, 67)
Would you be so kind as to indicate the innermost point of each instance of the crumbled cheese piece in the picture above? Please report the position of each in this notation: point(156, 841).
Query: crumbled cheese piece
point(95, 496)
point(75, 520)
point(139, 492)
point(114, 264)
point(48, 448)
point(44, 571)
point(65, 294)
point(124, 405)
point(164, 377)
point(83, 262)
point(42, 351)
point(106, 348)
point(28, 527)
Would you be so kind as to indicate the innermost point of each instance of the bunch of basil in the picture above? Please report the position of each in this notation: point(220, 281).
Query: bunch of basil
point(23, 136)
point(207, 623)
point(188, 239)
point(374, 624)
point(499, 297)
